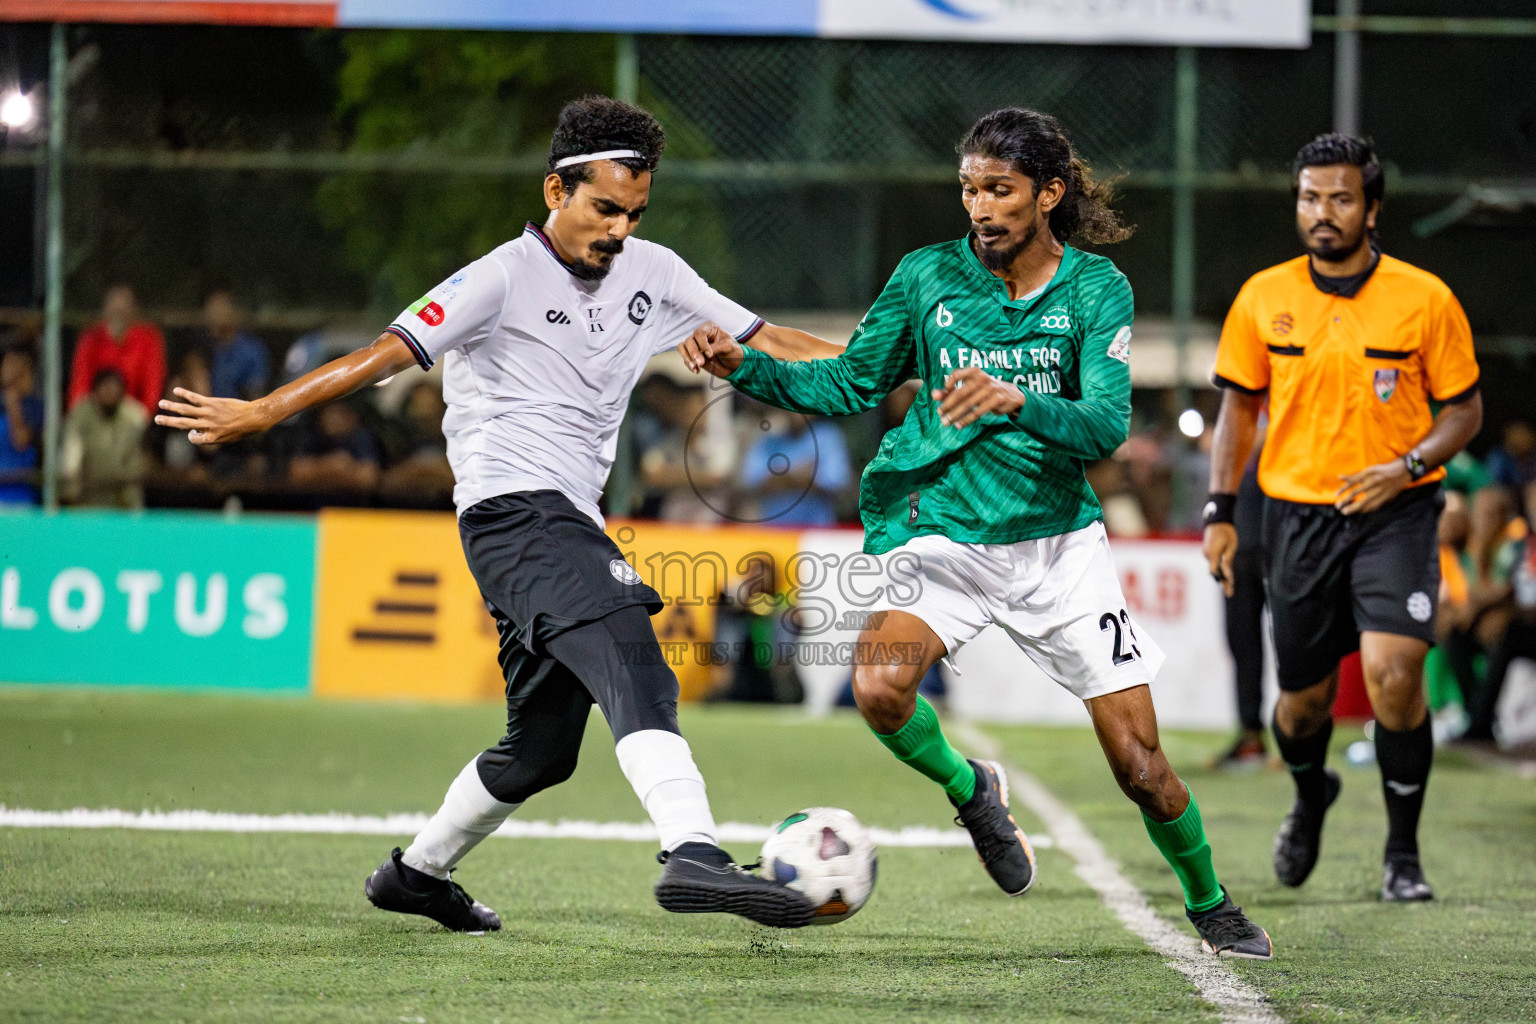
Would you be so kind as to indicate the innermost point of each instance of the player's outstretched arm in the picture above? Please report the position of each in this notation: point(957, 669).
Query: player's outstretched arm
point(710, 348)
point(210, 420)
point(872, 365)
point(814, 376)
point(793, 346)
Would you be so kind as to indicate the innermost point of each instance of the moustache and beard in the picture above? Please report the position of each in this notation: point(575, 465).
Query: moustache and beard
point(1332, 252)
point(595, 271)
point(1000, 258)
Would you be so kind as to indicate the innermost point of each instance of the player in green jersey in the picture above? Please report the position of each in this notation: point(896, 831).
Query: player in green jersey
point(982, 486)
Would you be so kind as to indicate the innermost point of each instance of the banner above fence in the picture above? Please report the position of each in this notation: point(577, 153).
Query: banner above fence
point(1273, 23)
point(1263, 23)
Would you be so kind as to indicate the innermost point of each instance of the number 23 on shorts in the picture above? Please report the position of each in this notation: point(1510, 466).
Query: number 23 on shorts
point(1109, 621)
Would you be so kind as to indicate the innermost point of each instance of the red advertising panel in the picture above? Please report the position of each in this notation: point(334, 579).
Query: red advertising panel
point(202, 12)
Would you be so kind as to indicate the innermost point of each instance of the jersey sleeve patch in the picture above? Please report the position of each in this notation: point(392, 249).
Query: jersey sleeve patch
point(428, 311)
point(461, 310)
point(1120, 346)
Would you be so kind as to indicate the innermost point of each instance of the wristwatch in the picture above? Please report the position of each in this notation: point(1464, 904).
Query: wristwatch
point(1415, 465)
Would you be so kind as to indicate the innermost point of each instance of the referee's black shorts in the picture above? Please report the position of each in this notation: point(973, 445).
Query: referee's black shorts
point(1330, 577)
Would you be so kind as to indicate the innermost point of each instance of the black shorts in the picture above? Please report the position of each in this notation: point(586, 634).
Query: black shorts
point(1330, 577)
point(544, 566)
point(573, 621)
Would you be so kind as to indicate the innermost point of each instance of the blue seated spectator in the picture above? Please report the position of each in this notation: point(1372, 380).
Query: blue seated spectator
point(21, 424)
point(239, 360)
point(336, 452)
point(1513, 463)
point(796, 470)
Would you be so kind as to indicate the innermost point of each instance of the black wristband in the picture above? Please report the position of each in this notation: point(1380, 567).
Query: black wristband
point(1415, 465)
point(1220, 508)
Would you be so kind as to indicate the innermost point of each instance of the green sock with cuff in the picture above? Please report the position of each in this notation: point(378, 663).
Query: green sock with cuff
point(1183, 845)
point(921, 744)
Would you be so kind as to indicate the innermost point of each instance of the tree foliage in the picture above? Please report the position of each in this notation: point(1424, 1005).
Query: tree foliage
point(477, 94)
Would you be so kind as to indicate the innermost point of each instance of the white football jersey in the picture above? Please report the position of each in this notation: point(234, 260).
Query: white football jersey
point(538, 364)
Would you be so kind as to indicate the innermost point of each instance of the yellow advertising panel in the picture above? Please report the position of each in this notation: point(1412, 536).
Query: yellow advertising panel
point(399, 615)
point(693, 568)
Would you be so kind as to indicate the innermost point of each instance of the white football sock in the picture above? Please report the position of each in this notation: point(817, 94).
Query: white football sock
point(469, 814)
point(659, 765)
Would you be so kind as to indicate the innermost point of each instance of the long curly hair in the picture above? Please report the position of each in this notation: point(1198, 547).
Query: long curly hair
point(1037, 146)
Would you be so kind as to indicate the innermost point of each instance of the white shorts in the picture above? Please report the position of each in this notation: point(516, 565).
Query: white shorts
point(1058, 598)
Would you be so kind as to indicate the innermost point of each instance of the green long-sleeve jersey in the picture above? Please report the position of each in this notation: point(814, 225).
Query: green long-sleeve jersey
point(1002, 479)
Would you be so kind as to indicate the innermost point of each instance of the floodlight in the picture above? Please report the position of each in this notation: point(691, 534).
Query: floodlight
point(17, 110)
point(1191, 423)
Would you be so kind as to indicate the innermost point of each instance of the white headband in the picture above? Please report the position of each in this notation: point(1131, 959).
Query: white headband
point(607, 154)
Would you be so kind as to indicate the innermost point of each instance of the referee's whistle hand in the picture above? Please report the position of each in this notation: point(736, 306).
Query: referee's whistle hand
point(1372, 487)
point(1220, 547)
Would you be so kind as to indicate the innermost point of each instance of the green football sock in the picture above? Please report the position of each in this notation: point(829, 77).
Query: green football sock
point(1183, 845)
point(921, 744)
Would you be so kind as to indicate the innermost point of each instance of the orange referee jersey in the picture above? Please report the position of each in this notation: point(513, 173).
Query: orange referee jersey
point(1349, 379)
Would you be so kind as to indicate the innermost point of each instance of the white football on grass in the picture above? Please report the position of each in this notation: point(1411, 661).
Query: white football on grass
point(825, 853)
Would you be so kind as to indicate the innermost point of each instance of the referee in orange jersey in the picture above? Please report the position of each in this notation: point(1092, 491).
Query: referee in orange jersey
point(1356, 351)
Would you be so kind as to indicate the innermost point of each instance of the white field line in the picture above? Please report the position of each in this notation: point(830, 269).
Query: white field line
point(1235, 1000)
point(410, 824)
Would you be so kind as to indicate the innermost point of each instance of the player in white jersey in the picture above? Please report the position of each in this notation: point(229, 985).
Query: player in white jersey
point(542, 341)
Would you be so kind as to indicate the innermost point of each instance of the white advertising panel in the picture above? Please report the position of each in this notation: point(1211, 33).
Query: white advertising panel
point(1262, 23)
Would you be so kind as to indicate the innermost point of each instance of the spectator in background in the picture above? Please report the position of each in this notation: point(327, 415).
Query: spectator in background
point(1516, 566)
point(1513, 463)
point(1245, 619)
point(422, 473)
point(1450, 668)
point(102, 460)
point(183, 461)
point(21, 425)
point(1149, 472)
point(792, 475)
point(1122, 512)
point(687, 469)
point(651, 410)
point(239, 360)
point(124, 342)
point(1191, 470)
point(336, 452)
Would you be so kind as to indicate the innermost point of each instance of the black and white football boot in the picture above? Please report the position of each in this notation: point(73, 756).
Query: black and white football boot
point(1000, 843)
point(1402, 881)
point(699, 878)
point(1300, 838)
point(397, 886)
point(1226, 931)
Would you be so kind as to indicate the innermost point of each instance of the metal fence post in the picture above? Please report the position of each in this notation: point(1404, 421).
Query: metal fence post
point(53, 305)
point(621, 477)
point(626, 70)
point(1346, 70)
point(1186, 154)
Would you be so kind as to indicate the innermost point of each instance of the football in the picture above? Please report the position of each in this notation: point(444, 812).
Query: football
point(827, 854)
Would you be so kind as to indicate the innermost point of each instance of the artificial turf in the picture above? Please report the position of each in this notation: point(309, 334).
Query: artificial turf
point(125, 925)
